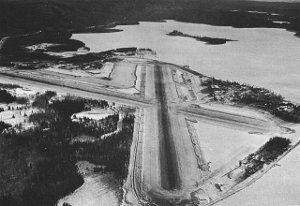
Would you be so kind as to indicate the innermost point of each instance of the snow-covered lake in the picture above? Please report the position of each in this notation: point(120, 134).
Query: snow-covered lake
point(261, 56)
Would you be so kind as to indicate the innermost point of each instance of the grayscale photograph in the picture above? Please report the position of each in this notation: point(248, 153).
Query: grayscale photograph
point(149, 102)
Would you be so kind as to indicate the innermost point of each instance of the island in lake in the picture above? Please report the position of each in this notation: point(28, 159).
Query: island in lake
point(101, 104)
point(208, 40)
point(88, 127)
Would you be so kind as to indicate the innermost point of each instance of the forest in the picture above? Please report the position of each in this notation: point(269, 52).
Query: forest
point(268, 153)
point(258, 97)
point(38, 165)
point(18, 17)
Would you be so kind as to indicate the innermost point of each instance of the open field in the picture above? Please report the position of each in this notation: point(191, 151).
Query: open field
point(237, 141)
point(17, 116)
point(123, 75)
point(95, 113)
point(177, 154)
point(97, 189)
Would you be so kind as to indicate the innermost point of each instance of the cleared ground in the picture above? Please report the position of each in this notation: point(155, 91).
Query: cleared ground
point(97, 189)
point(180, 146)
point(235, 140)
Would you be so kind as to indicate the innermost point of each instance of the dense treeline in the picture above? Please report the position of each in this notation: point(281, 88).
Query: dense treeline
point(112, 152)
point(42, 100)
point(293, 116)
point(55, 21)
point(6, 97)
point(37, 169)
point(53, 179)
point(22, 16)
point(273, 148)
point(254, 96)
point(4, 126)
point(95, 128)
point(9, 86)
point(269, 152)
point(38, 165)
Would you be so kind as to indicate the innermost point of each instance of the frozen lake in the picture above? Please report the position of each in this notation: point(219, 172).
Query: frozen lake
point(260, 56)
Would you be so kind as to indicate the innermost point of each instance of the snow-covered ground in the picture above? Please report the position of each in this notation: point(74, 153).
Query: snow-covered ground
point(123, 74)
point(97, 189)
point(258, 57)
point(136, 88)
point(27, 88)
point(280, 186)
point(244, 111)
point(95, 113)
point(104, 72)
point(184, 92)
point(127, 91)
point(17, 114)
point(281, 22)
point(42, 46)
point(257, 12)
point(221, 143)
point(24, 92)
point(67, 54)
point(138, 74)
point(72, 72)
